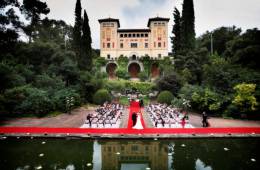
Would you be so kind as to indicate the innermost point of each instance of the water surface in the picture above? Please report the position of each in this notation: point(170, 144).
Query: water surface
point(174, 154)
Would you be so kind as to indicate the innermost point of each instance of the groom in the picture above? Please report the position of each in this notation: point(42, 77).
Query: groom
point(134, 116)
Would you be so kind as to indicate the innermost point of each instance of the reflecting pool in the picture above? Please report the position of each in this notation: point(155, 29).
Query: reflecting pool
point(124, 154)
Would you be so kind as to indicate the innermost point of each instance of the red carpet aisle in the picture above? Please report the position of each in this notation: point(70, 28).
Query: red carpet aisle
point(134, 107)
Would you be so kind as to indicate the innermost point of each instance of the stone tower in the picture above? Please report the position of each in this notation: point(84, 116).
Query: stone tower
point(108, 37)
point(159, 36)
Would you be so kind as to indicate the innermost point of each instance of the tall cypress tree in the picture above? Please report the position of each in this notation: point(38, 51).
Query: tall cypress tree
point(176, 31)
point(188, 25)
point(77, 29)
point(86, 53)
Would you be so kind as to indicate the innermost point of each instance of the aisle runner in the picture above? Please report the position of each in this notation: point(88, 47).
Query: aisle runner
point(134, 107)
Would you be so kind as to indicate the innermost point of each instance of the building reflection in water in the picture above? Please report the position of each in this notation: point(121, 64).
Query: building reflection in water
point(137, 154)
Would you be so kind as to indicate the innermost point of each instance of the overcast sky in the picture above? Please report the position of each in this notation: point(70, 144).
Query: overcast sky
point(209, 14)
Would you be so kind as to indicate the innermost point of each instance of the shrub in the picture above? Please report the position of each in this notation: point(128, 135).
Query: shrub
point(165, 97)
point(14, 96)
point(207, 100)
point(143, 76)
point(122, 73)
point(27, 99)
point(245, 97)
point(170, 82)
point(114, 85)
point(37, 102)
point(59, 98)
point(143, 87)
point(177, 103)
point(101, 96)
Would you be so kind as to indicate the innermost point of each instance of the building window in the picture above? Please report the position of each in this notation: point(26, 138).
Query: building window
point(159, 44)
point(113, 45)
point(108, 45)
point(121, 35)
point(134, 148)
point(164, 44)
point(154, 44)
point(159, 38)
point(146, 35)
point(159, 55)
point(121, 45)
point(129, 35)
point(145, 45)
point(138, 35)
point(133, 45)
point(108, 56)
point(134, 35)
point(125, 35)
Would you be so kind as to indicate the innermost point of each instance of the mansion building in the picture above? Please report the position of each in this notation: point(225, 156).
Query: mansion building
point(151, 41)
point(133, 43)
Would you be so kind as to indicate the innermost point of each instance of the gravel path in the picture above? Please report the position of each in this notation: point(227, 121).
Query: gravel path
point(196, 121)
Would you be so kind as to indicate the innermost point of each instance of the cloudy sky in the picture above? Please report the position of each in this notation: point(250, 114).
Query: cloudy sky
point(209, 14)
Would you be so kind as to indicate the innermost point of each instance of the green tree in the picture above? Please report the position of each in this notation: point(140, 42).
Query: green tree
point(245, 49)
point(245, 97)
point(165, 97)
point(85, 61)
point(77, 28)
point(33, 10)
point(188, 25)
point(176, 31)
point(221, 36)
point(9, 22)
point(170, 82)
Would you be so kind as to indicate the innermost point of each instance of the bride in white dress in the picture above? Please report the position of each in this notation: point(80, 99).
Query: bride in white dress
point(138, 124)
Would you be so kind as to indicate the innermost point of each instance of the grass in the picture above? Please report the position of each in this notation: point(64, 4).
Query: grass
point(124, 100)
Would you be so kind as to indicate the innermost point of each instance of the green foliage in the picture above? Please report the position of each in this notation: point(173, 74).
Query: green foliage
point(143, 87)
point(101, 96)
point(188, 25)
point(122, 73)
point(85, 61)
point(112, 85)
point(245, 97)
point(26, 99)
point(165, 97)
point(122, 61)
point(166, 66)
point(99, 62)
point(59, 98)
point(33, 10)
point(77, 28)
point(221, 36)
point(142, 76)
point(244, 49)
point(147, 63)
point(121, 85)
point(177, 103)
point(170, 82)
point(176, 31)
point(207, 100)
point(36, 102)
